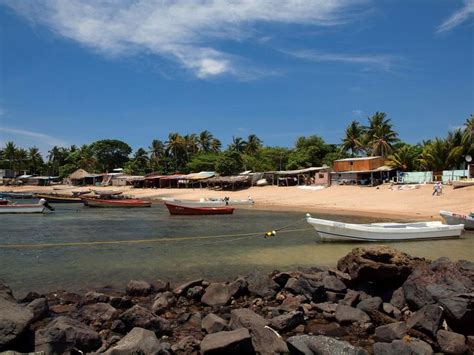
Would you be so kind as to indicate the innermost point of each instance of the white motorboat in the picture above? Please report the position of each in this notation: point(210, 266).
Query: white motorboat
point(457, 218)
point(211, 202)
point(26, 208)
point(383, 232)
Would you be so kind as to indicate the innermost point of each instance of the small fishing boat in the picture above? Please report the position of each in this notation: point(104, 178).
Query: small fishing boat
point(457, 218)
point(26, 208)
point(211, 202)
point(17, 195)
point(3, 202)
point(115, 203)
point(57, 198)
point(178, 209)
point(383, 232)
point(462, 183)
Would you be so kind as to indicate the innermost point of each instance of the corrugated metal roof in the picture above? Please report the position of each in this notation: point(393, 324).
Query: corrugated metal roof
point(359, 158)
point(300, 171)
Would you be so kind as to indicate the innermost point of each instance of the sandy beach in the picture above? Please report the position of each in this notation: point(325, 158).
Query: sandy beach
point(381, 201)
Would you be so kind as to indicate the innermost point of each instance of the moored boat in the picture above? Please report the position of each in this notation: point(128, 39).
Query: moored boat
point(116, 203)
point(179, 209)
point(457, 218)
point(16, 195)
point(26, 208)
point(56, 198)
point(382, 232)
point(211, 202)
point(3, 202)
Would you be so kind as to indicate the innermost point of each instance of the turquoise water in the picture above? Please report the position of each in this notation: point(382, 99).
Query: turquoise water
point(154, 245)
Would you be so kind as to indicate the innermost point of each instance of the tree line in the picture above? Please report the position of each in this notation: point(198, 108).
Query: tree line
point(204, 152)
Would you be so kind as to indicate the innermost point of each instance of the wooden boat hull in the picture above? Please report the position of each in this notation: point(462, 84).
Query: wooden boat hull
point(59, 199)
point(462, 183)
point(208, 203)
point(26, 208)
point(456, 218)
point(383, 232)
point(17, 195)
point(176, 209)
point(3, 202)
point(105, 203)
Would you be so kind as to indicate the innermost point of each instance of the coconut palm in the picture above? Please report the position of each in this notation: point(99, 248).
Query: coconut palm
point(157, 153)
point(440, 155)
point(216, 145)
point(205, 140)
point(238, 145)
point(21, 159)
point(9, 153)
point(35, 157)
point(380, 135)
point(191, 145)
point(405, 158)
point(254, 144)
point(354, 137)
point(175, 148)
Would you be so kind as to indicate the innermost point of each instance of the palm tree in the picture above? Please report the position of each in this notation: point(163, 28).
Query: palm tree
point(353, 139)
point(468, 135)
point(175, 147)
point(157, 153)
point(205, 140)
point(253, 144)
point(216, 145)
point(21, 158)
point(86, 158)
point(380, 135)
point(238, 145)
point(191, 145)
point(9, 152)
point(440, 155)
point(34, 156)
point(404, 158)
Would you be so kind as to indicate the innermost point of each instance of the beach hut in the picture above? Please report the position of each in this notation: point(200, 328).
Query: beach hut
point(82, 177)
point(370, 171)
point(307, 176)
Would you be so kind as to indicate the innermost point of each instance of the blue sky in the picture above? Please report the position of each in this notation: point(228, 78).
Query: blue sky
point(76, 71)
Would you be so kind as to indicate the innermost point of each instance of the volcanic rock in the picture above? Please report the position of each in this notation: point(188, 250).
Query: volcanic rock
point(138, 288)
point(234, 342)
point(138, 341)
point(451, 343)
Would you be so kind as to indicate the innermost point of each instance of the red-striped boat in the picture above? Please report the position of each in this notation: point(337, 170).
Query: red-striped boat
point(177, 209)
point(123, 203)
point(3, 202)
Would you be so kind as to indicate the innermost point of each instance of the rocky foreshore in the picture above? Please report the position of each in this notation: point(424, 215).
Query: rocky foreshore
point(377, 301)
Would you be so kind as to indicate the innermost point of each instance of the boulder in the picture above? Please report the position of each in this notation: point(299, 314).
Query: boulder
point(121, 302)
point(6, 292)
point(39, 307)
point(427, 320)
point(138, 316)
point(370, 305)
point(161, 286)
point(391, 310)
point(30, 296)
point(470, 343)
point(351, 298)
point(321, 345)
point(346, 314)
point(163, 301)
point(332, 329)
point(98, 313)
point(14, 319)
point(183, 288)
point(332, 283)
point(451, 343)
point(138, 288)
point(195, 292)
point(220, 294)
point(287, 321)
point(213, 323)
point(327, 307)
point(138, 341)
point(234, 342)
point(291, 303)
point(398, 347)
point(459, 312)
point(385, 267)
point(311, 289)
point(398, 298)
point(64, 334)
point(96, 297)
point(186, 345)
point(264, 339)
point(389, 332)
point(260, 284)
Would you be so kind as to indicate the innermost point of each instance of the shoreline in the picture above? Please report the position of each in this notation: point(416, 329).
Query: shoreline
point(369, 202)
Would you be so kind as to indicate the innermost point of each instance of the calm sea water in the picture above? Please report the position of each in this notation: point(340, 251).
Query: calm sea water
point(154, 245)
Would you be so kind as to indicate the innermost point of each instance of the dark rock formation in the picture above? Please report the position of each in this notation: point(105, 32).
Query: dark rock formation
point(213, 323)
point(138, 288)
point(138, 341)
point(14, 319)
point(427, 320)
point(346, 314)
point(451, 343)
point(138, 316)
point(388, 333)
point(234, 342)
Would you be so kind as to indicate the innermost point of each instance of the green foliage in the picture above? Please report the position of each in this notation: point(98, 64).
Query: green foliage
point(202, 162)
point(111, 153)
point(229, 163)
point(353, 140)
point(405, 157)
point(310, 151)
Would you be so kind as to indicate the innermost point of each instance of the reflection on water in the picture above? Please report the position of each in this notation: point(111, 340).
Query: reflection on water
point(162, 247)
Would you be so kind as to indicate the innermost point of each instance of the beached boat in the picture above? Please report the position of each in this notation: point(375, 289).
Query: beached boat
point(17, 195)
point(26, 208)
point(211, 202)
point(116, 203)
point(457, 218)
point(3, 202)
point(179, 209)
point(462, 183)
point(56, 198)
point(383, 232)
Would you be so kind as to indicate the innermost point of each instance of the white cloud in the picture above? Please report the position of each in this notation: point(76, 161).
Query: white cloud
point(376, 61)
point(30, 137)
point(182, 30)
point(458, 17)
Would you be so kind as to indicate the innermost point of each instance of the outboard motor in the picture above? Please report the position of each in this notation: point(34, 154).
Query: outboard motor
point(46, 204)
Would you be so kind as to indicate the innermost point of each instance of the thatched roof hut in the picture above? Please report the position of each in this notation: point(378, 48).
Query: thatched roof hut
point(79, 174)
point(82, 177)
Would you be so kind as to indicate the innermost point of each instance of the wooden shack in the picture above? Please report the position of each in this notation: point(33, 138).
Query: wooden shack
point(358, 164)
point(370, 171)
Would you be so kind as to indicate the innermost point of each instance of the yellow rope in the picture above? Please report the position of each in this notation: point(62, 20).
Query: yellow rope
point(137, 241)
